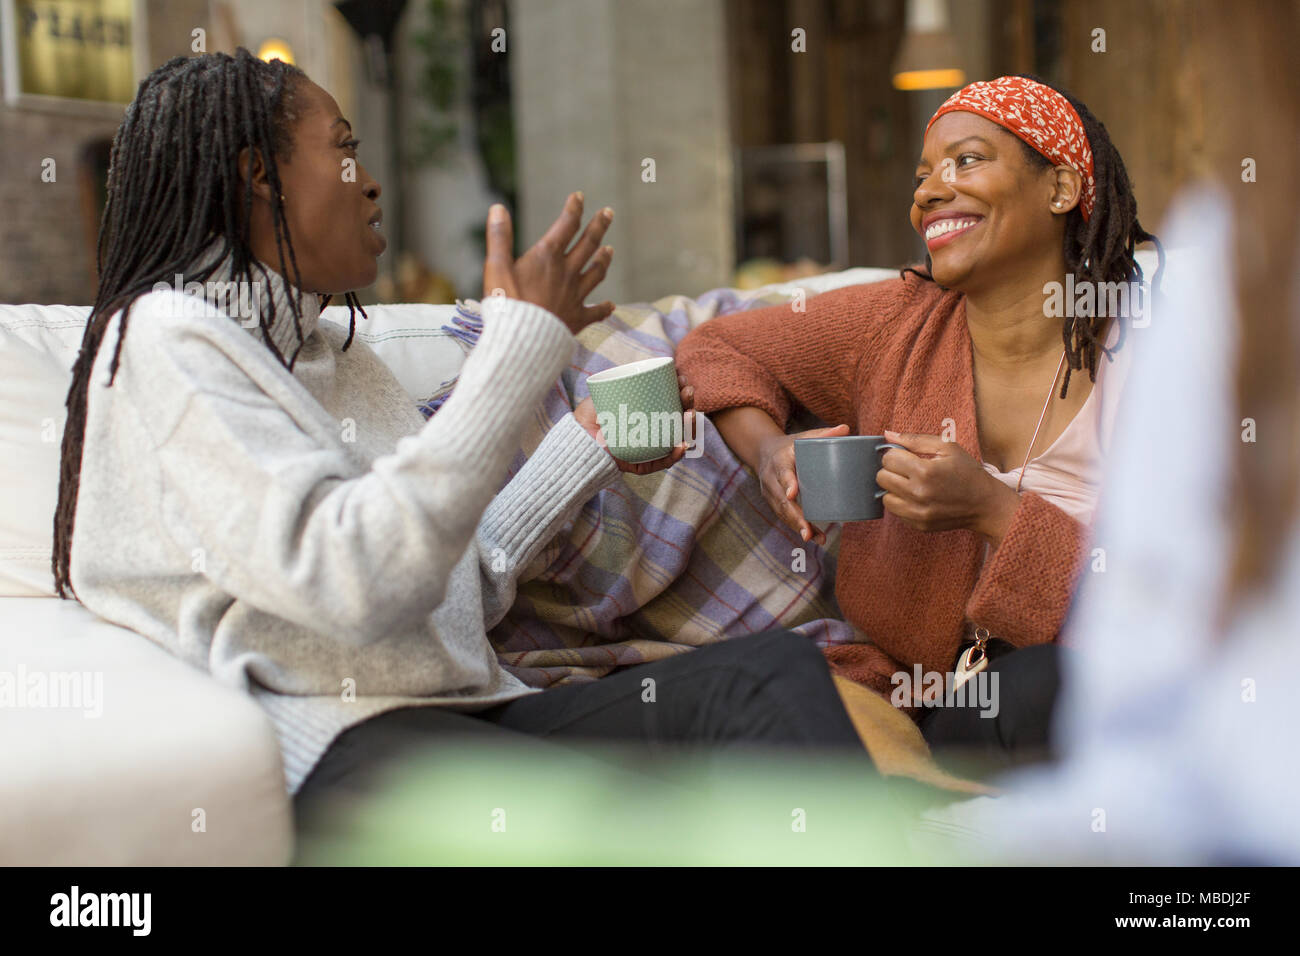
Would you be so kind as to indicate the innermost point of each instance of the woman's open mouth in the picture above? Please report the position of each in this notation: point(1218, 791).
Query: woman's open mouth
point(943, 231)
point(376, 224)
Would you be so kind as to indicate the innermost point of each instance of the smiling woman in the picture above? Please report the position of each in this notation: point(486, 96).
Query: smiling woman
point(966, 364)
point(1068, 159)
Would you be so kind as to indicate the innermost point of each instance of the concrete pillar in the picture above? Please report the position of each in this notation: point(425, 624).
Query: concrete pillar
point(600, 87)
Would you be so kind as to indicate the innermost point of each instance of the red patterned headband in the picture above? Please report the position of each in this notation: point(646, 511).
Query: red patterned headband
point(1037, 114)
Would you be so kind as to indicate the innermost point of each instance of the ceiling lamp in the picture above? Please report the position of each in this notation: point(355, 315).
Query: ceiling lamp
point(929, 58)
point(274, 48)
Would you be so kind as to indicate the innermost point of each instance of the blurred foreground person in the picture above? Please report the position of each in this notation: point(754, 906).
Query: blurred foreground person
point(1177, 716)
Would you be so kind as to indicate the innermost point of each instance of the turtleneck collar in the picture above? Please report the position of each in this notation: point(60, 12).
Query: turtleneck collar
point(248, 305)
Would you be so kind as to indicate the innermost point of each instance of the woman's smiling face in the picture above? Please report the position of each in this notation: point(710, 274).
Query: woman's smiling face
point(981, 206)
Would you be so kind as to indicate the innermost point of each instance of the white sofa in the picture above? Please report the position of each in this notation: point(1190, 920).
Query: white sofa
point(176, 769)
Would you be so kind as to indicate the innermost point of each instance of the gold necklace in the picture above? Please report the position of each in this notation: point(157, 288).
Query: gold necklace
point(976, 657)
point(1042, 415)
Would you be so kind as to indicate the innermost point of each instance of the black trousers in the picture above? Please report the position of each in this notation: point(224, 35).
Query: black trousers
point(1029, 679)
point(772, 689)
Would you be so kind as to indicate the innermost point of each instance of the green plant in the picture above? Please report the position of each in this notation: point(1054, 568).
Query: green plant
point(439, 45)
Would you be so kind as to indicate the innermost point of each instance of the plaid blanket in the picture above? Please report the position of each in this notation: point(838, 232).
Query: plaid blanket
point(657, 564)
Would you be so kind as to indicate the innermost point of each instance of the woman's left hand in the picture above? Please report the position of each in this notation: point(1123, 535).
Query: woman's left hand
point(585, 413)
point(937, 486)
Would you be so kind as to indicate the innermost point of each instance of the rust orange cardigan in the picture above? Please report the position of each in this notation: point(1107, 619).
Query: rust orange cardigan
point(897, 355)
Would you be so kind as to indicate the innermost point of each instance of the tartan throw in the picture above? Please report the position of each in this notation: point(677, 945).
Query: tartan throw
point(657, 564)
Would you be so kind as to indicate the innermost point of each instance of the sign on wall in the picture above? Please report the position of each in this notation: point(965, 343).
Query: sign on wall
point(72, 54)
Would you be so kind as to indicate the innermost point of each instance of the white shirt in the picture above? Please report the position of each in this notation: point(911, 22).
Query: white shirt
point(1068, 472)
point(1181, 747)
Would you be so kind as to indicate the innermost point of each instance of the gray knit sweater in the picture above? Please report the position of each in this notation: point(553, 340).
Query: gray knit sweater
point(309, 538)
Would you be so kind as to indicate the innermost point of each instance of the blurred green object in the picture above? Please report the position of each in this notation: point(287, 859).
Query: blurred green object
point(511, 805)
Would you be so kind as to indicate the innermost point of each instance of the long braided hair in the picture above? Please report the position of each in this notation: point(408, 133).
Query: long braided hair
point(1099, 250)
point(173, 187)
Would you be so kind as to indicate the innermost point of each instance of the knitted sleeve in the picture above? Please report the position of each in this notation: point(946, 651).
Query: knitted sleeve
point(777, 357)
point(1023, 592)
point(284, 519)
point(567, 469)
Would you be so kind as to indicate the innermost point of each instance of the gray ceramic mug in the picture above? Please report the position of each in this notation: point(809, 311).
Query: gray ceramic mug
point(837, 477)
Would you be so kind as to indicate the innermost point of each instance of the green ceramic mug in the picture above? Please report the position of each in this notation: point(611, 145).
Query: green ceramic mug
point(639, 408)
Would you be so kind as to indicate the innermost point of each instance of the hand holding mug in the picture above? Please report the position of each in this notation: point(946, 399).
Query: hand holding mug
point(779, 482)
point(936, 485)
point(586, 415)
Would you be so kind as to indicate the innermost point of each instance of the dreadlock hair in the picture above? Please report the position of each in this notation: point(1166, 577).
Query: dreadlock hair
point(173, 187)
point(1099, 250)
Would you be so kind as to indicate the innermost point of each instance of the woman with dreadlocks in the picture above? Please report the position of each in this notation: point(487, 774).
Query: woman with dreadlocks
point(1023, 202)
point(254, 491)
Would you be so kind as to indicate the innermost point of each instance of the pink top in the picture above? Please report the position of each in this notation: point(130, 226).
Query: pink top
point(1068, 473)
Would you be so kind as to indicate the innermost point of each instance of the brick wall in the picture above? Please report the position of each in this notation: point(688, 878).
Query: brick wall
point(45, 251)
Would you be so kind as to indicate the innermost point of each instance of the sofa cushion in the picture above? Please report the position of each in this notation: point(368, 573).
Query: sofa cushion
point(38, 346)
point(116, 776)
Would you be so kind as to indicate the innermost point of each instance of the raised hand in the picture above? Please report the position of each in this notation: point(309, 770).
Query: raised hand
point(547, 275)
